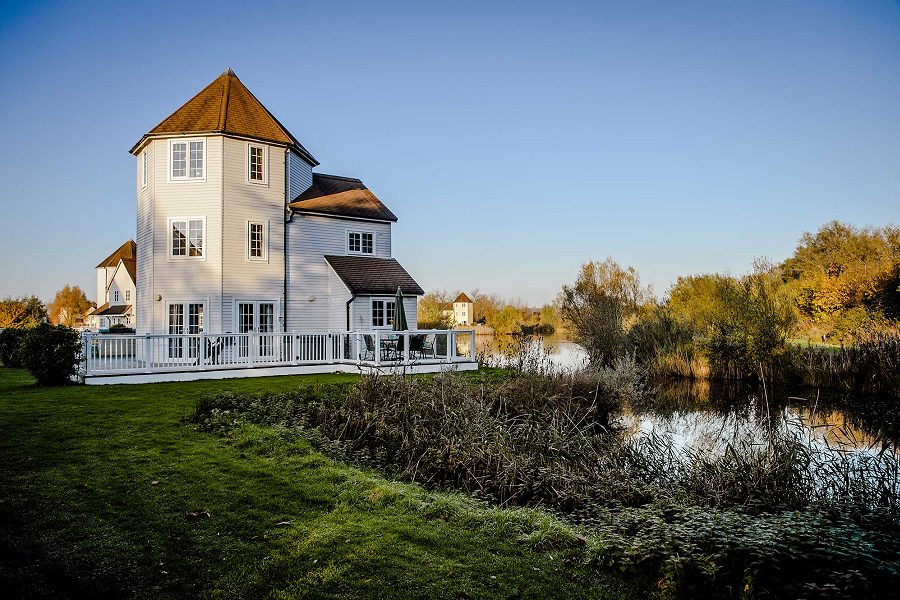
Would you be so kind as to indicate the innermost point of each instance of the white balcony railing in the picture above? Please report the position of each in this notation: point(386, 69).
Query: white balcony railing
point(106, 354)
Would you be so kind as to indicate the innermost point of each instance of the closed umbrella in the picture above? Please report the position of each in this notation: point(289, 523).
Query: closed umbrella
point(399, 312)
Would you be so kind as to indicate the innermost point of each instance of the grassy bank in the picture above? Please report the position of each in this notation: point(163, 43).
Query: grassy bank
point(778, 519)
point(107, 493)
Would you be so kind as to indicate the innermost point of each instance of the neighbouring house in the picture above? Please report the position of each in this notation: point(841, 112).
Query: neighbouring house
point(116, 293)
point(461, 311)
point(237, 234)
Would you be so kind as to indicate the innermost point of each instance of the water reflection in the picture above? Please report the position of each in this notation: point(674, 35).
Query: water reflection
point(709, 416)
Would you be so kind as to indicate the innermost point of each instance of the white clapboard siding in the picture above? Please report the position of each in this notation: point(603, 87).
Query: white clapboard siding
point(181, 280)
point(144, 241)
point(309, 239)
point(300, 175)
point(242, 278)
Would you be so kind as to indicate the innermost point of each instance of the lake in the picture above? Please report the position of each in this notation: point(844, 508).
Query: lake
point(710, 415)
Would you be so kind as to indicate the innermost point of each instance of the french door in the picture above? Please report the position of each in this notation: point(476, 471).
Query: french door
point(256, 317)
point(185, 318)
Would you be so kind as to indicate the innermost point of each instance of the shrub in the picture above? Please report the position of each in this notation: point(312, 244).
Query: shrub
point(10, 339)
point(51, 353)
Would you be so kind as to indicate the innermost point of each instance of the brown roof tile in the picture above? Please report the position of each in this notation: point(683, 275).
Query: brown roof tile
point(376, 276)
point(341, 196)
point(227, 106)
point(462, 298)
point(126, 252)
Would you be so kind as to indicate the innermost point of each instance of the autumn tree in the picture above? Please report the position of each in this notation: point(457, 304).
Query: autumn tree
point(18, 313)
point(69, 306)
point(602, 303)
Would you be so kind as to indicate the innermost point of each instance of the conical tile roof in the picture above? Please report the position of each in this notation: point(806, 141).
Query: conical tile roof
point(227, 106)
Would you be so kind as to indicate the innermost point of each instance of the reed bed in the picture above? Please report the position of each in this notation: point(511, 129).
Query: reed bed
point(757, 519)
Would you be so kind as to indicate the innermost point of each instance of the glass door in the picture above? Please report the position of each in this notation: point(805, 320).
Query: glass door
point(256, 317)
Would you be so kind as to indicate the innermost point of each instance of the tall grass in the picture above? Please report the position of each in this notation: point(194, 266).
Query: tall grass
point(548, 441)
point(871, 366)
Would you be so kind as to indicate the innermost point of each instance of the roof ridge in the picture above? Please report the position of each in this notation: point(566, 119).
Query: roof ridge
point(226, 95)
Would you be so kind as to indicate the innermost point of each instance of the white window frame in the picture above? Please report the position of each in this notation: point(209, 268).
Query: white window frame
point(187, 256)
point(361, 232)
point(127, 295)
point(144, 168)
point(388, 323)
point(115, 295)
point(265, 164)
point(187, 166)
point(265, 242)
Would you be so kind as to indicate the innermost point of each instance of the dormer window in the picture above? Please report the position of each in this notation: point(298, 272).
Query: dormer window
point(360, 242)
point(256, 163)
point(188, 159)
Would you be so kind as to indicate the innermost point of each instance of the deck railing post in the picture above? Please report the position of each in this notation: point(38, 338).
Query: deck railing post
point(472, 355)
point(377, 347)
point(449, 347)
point(86, 340)
point(148, 353)
point(329, 347)
point(358, 348)
point(405, 347)
point(202, 350)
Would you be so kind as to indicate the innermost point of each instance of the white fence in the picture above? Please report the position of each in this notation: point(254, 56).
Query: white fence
point(106, 354)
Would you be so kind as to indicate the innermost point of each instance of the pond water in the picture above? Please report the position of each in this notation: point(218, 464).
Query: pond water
point(711, 415)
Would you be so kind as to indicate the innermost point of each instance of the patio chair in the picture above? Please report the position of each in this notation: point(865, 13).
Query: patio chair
point(368, 353)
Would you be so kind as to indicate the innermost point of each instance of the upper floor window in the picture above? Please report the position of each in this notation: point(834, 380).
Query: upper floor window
point(116, 296)
point(144, 169)
point(361, 242)
point(256, 163)
point(188, 159)
point(127, 295)
point(257, 245)
point(187, 237)
point(383, 313)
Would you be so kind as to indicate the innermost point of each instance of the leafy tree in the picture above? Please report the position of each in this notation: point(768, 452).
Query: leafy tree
point(431, 310)
point(22, 312)
point(69, 306)
point(604, 301)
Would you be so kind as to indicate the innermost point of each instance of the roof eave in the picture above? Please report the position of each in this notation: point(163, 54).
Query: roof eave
point(296, 147)
point(297, 209)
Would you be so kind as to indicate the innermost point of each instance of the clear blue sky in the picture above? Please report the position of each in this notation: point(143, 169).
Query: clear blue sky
point(515, 141)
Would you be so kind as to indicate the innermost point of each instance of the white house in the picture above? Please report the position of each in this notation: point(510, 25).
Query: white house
point(116, 291)
point(463, 310)
point(236, 233)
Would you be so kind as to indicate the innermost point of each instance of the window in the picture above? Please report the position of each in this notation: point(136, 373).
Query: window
point(187, 237)
point(256, 163)
point(257, 248)
point(383, 313)
point(116, 296)
point(127, 295)
point(144, 169)
point(188, 159)
point(361, 242)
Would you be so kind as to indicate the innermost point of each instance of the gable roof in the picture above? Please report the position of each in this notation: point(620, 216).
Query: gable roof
point(381, 276)
point(462, 298)
point(341, 196)
point(130, 268)
point(227, 106)
point(126, 252)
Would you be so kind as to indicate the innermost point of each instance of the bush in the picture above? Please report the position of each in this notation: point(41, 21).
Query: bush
point(51, 353)
point(10, 339)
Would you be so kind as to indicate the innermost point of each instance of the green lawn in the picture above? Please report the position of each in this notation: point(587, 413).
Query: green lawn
point(97, 483)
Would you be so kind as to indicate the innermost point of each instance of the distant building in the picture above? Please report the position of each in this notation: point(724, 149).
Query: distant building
point(116, 276)
point(462, 311)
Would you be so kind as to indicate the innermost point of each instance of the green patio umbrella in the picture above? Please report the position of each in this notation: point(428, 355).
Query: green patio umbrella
point(399, 312)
